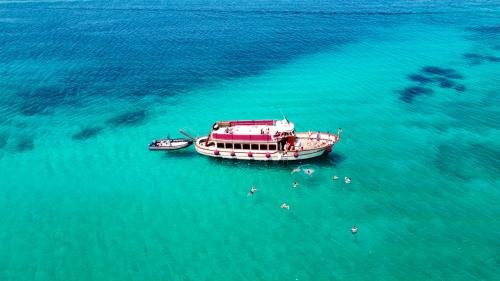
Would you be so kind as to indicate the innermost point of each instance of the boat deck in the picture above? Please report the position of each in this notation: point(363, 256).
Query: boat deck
point(304, 141)
point(311, 140)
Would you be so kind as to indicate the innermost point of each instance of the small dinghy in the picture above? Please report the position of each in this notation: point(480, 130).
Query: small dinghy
point(169, 144)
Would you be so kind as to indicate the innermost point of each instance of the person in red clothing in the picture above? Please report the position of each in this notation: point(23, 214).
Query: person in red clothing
point(291, 142)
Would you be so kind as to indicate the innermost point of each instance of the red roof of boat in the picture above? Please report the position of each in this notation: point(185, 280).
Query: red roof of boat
point(252, 123)
point(242, 137)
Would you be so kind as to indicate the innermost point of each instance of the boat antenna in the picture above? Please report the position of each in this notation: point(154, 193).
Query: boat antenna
point(284, 117)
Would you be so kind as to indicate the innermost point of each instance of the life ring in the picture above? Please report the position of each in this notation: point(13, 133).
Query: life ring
point(296, 154)
point(329, 149)
point(233, 154)
point(216, 152)
point(268, 154)
point(250, 154)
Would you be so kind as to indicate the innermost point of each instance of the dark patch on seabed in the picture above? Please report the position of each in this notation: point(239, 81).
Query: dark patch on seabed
point(407, 95)
point(428, 76)
point(128, 119)
point(460, 88)
point(480, 158)
point(476, 59)
point(488, 36)
point(447, 72)
point(131, 118)
point(25, 144)
point(455, 75)
point(487, 30)
point(4, 138)
point(41, 100)
point(30, 108)
point(444, 82)
point(420, 78)
point(87, 133)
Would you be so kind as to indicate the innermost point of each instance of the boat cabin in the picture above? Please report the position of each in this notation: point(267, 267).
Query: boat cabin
point(258, 135)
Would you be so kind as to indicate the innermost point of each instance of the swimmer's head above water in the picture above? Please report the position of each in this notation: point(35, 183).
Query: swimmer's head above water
point(252, 190)
point(308, 171)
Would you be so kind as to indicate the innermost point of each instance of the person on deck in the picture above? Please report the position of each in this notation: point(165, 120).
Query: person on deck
point(286, 148)
point(291, 141)
point(282, 144)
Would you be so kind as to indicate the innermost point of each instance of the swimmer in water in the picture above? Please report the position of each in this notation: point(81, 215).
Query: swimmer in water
point(309, 171)
point(295, 184)
point(335, 178)
point(252, 191)
point(285, 206)
point(296, 170)
point(347, 180)
point(354, 229)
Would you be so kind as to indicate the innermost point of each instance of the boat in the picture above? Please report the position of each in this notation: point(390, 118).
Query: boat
point(266, 140)
point(169, 144)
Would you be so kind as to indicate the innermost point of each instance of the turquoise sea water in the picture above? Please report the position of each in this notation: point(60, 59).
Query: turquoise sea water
point(86, 85)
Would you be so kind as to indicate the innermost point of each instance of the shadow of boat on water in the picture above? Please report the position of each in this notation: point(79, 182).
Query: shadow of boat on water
point(178, 154)
point(329, 160)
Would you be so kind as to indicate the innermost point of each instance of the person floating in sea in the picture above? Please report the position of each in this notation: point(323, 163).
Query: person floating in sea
point(252, 191)
point(354, 229)
point(335, 178)
point(309, 171)
point(295, 184)
point(296, 170)
point(347, 180)
point(285, 206)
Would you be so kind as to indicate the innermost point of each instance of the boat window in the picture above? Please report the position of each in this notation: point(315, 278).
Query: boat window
point(255, 147)
point(211, 144)
point(272, 147)
point(229, 145)
point(220, 145)
point(263, 147)
point(246, 146)
point(237, 146)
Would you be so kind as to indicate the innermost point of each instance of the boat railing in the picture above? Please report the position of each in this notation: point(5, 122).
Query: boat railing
point(322, 136)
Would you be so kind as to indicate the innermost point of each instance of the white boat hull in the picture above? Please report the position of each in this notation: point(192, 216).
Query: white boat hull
point(327, 142)
point(276, 156)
